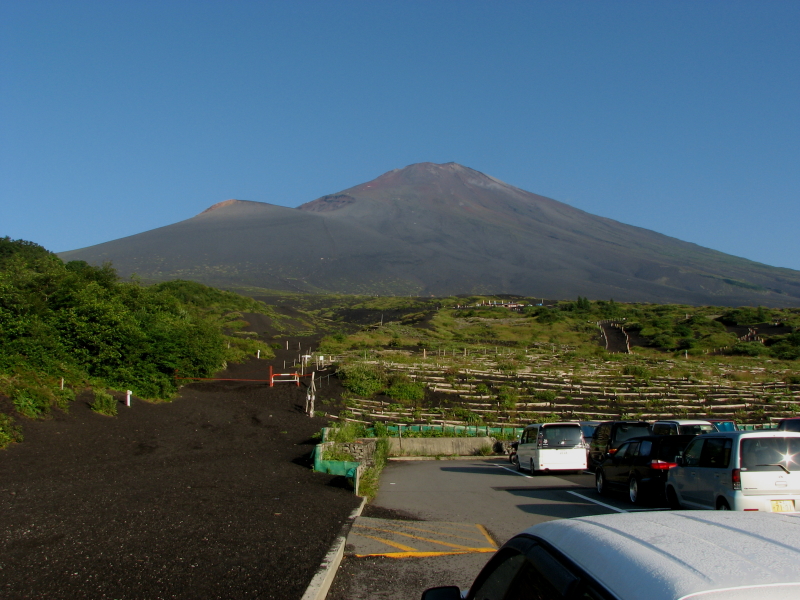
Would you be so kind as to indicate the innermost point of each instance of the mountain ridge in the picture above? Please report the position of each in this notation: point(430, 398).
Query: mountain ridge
point(441, 229)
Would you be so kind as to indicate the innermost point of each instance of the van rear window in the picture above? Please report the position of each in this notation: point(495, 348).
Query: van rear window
point(560, 435)
point(626, 432)
point(770, 454)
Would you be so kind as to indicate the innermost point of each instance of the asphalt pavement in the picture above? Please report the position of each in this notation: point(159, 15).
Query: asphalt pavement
point(463, 510)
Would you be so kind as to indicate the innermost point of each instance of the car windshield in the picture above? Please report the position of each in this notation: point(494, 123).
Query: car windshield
point(770, 454)
point(562, 435)
point(696, 429)
point(791, 425)
point(588, 430)
point(626, 432)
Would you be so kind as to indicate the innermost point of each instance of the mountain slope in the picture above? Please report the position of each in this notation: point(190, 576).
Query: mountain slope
point(442, 229)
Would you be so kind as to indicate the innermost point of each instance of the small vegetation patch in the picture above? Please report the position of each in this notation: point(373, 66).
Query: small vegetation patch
point(9, 433)
point(104, 403)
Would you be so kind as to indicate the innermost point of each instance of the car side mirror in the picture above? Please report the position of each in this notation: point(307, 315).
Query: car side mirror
point(448, 592)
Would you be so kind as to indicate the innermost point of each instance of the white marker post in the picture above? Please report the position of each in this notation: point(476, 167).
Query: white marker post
point(258, 354)
point(128, 398)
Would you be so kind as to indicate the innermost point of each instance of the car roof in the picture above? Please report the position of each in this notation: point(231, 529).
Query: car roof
point(672, 554)
point(756, 433)
point(685, 421)
point(575, 423)
point(660, 438)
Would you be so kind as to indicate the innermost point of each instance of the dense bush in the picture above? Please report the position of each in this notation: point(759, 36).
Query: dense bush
point(81, 323)
point(402, 388)
point(362, 379)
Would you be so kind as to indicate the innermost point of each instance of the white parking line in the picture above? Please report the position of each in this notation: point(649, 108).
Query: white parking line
point(608, 506)
point(514, 471)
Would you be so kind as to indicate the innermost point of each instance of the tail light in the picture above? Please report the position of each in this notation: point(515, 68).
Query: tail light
point(662, 465)
point(736, 479)
point(612, 451)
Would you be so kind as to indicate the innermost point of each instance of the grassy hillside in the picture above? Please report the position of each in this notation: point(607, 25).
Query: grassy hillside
point(80, 323)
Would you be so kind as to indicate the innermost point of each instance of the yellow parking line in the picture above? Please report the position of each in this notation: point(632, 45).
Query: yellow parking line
point(425, 554)
point(388, 543)
point(486, 535)
point(417, 537)
point(443, 533)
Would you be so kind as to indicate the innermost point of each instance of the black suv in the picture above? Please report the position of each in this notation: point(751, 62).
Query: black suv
point(640, 466)
point(609, 435)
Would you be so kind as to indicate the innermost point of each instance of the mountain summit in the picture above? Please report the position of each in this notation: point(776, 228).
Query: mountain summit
point(441, 229)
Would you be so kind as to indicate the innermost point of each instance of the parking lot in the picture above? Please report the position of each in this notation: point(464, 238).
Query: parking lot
point(464, 508)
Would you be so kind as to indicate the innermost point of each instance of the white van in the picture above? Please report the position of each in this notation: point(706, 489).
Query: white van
point(552, 447)
point(739, 470)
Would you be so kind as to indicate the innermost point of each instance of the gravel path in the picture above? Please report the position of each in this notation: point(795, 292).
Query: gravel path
point(209, 496)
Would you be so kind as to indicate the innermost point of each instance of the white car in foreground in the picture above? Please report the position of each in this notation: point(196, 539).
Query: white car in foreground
point(672, 555)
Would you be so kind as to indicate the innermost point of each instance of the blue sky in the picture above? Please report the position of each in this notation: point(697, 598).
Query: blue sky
point(681, 117)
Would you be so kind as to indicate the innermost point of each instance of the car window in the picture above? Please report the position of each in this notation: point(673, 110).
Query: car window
point(497, 582)
point(695, 429)
point(716, 453)
point(669, 448)
point(691, 457)
point(622, 450)
point(558, 435)
point(603, 432)
point(645, 448)
point(537, 576)
point(790, 425)
point(626, 432)
point(588, 430)
point(770, 454)
point(633, 450)
point(660, 429)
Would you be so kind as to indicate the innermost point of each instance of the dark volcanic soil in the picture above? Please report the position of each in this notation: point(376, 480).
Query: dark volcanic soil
point(208, 496)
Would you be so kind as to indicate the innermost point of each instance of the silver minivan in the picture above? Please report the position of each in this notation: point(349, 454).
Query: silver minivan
point(552, 447)
point(738, 470)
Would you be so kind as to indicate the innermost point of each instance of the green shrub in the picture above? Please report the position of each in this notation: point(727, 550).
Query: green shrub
point(545, 395)
point(485, 450)
point(348, 432)
point(508, 397)
point(638, 371)
point(336, 454)
point(63, 398)
point(104, 403)
point(362, 379)
point(9, 433)
point(33, 401)
point(401, 387)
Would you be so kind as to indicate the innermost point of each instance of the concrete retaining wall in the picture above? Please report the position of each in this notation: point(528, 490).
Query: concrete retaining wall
point(437, 446)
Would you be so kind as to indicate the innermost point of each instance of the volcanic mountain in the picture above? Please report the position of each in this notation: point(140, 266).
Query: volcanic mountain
point(432, 229)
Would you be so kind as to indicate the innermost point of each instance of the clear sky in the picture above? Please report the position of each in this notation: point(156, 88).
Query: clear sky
point(681, 117)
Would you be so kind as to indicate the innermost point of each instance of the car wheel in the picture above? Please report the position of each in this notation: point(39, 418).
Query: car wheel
point(672, 499)
point(532, 470)
point(515, 462)
point(600, 482)
point(722, 505)
point(633, 491)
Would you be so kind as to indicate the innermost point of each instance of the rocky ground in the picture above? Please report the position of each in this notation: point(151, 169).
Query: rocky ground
point(208, 496)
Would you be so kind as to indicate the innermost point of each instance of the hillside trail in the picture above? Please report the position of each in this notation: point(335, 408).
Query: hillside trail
point(207, 496)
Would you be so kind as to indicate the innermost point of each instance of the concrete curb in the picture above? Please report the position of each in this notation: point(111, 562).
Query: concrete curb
point(323, 578)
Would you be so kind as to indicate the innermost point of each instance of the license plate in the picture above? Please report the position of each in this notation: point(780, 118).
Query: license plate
point(782, 505)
